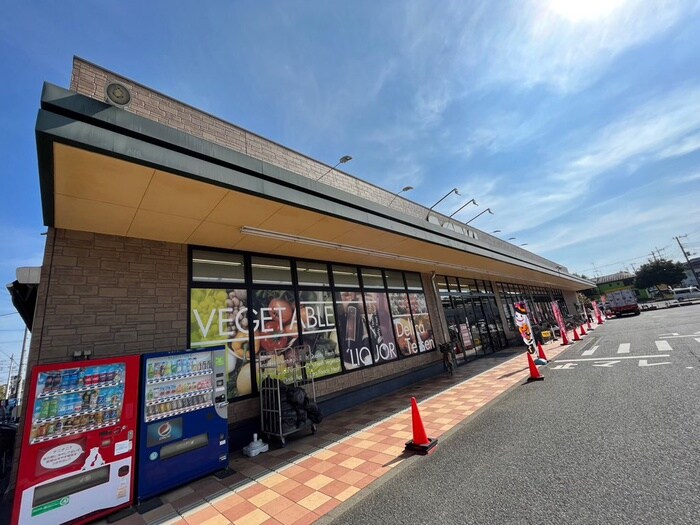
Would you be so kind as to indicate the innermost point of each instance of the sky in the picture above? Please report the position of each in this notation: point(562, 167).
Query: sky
point(577, 123)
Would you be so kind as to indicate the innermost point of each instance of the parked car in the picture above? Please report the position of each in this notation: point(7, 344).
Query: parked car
point(688, 293)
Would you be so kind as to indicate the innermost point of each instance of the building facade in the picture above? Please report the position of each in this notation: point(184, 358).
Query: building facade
point(171, 229)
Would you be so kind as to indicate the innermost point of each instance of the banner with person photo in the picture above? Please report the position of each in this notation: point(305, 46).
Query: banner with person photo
point(522, 321)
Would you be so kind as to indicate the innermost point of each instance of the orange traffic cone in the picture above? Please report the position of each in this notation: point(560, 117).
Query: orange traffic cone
point(564, 340)
point(583, 331)
point(600, 319)
point(534, 372)
point(540, 352)
point(421, 442)
point(576, 337)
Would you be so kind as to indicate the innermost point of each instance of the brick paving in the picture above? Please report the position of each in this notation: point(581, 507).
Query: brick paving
point(314, 474)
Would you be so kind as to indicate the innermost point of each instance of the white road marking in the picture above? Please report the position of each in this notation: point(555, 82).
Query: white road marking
point(611, 358)
point(697, 339)
point(607, 364)
point(643, 362)
point(675, 336)
point(663, 346)
point(567, 366)
point(624, 348)
point(590, 351)
point(669, 334)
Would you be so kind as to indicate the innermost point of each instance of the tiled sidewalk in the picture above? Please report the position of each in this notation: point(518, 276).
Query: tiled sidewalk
point(314, 474)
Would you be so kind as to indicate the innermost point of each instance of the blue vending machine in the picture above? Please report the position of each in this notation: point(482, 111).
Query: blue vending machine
point(183, 419)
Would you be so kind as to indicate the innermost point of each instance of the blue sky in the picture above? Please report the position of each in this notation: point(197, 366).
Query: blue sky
point(577, 123)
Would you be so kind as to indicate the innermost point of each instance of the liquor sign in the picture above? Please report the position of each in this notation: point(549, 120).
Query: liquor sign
point(523, 322)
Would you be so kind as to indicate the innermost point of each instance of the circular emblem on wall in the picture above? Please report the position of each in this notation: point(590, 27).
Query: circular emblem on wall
point(118, 94)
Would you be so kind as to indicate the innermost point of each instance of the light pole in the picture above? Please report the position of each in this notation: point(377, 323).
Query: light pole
point(404, 189)
point(453, 190)
point(464, 206)
point(479, 215)
point(343, 160)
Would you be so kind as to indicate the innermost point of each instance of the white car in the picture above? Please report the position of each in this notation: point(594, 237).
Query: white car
point(688, 293)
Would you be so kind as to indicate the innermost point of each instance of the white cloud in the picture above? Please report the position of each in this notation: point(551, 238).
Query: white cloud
point(567, 54)
point(684, 146)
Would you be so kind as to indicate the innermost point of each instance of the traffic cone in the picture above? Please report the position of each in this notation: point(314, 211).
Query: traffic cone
point(583, 331)
point(534, 372)
point(564, 339)
point(576, 337)
point(420, 443)
point(600, 319)
point(540, 352)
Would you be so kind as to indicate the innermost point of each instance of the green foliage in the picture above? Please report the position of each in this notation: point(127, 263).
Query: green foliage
point(659, 272)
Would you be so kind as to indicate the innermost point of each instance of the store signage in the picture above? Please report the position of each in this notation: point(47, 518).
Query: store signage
point(523, 322)
point(559, 318)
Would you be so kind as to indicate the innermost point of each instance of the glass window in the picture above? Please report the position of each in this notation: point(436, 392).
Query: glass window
point(372, 278)
point(275, 328)
point(452, 283)
point(442, 284)
point(413, 281)
point(217, 267)
point(353, 330)
point(312, 274)
point(403, 325)
point(394, 279)
point(219, 316)
point(270, 270)
point(345, 276)
point(319, 331)
point(379, 321)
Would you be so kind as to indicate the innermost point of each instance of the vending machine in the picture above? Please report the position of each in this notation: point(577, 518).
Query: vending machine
point(79, 442)
point(183, 419)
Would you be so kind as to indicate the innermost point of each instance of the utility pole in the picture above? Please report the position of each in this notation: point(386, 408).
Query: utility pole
point(685, 254)
point(9, 375)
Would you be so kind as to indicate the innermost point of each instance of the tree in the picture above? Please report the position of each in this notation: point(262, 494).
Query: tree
point(659, 272)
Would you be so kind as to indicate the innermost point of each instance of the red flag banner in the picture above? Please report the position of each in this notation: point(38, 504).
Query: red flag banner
point(559, 317)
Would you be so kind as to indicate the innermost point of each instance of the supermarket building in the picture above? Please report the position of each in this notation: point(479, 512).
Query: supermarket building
point(169, 228)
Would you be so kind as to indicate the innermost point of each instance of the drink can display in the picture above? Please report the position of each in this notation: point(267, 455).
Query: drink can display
point(103, 374)
point(40, 383)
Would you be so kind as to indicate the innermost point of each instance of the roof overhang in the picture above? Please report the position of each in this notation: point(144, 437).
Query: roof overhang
point(105, 170)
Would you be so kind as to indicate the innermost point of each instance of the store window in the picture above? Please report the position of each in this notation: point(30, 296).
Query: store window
point(353, 331)
point(346, 276)
point(413, 281)
point(380, 327)
point(270, 270)
point(312, 274)
point(262, 307)
point(217, 267)
point(394, 279)
point(318, 330)
point(372, 278)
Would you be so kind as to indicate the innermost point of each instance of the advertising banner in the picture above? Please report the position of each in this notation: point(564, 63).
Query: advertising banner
point(421, 321)
point(353, 330)
point(405, 332)
point(598, 315)
point(523, 323)
point(559, 318)
point(318, 331)
point(383, 341)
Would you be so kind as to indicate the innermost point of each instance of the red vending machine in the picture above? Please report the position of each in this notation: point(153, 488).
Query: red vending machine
point(79, 441)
